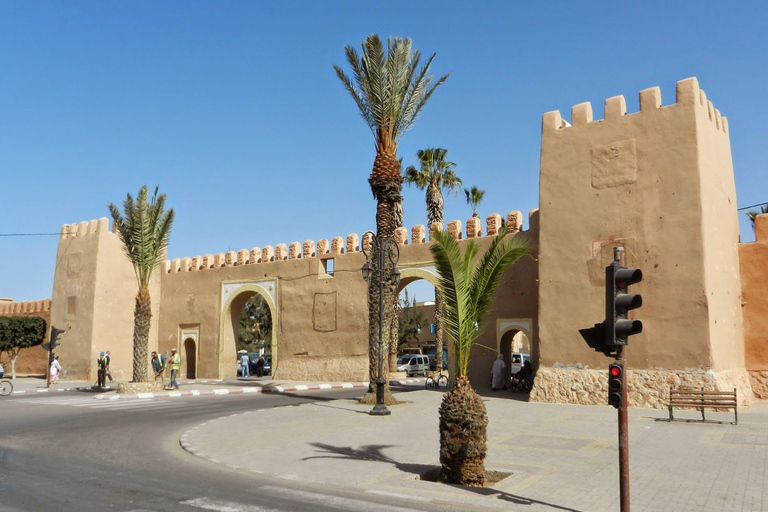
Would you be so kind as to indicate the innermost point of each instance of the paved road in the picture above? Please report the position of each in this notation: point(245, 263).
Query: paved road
point(67, 451)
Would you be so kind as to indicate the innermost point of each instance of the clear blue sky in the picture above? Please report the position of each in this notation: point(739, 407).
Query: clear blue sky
point(234, 109)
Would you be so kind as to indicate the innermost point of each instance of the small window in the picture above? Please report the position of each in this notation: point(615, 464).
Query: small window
point(327, 266)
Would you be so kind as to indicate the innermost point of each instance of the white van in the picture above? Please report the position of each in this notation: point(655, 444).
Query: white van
point(517, 360)
point(413, 364)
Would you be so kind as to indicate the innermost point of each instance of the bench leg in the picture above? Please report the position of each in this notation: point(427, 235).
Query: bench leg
point(671, 417)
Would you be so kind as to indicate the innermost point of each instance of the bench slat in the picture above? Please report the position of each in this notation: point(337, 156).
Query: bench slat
point(702, 400)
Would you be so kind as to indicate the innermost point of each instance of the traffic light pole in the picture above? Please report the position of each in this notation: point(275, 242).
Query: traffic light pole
point(618, 255)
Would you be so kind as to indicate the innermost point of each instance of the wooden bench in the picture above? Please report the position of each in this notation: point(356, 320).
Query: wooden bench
point(702, 400)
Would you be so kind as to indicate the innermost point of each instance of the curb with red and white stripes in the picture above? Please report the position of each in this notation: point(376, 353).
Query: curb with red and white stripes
point(237, 391)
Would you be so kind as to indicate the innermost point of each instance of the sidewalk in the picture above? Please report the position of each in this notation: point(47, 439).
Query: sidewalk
point(561, 457)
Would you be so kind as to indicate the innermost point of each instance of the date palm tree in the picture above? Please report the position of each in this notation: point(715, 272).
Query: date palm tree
point(144, 229)
point(474, 198)
point(468, 285)
point(390, 90)
point(434, 174)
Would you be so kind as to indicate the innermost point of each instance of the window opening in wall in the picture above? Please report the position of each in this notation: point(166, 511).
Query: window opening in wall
point(328, 266)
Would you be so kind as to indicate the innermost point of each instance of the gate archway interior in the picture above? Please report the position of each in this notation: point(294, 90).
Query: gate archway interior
point(514, 337)
point(190, 357)
point(234, 298)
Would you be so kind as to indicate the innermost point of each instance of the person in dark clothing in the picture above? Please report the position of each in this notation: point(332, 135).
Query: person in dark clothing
point(101, 370)
point(260, 367)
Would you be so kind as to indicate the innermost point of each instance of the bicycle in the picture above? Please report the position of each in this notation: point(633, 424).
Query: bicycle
point(436, 381)
point(6, 387)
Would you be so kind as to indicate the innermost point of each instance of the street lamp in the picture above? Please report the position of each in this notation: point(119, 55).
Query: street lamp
point(381, 245)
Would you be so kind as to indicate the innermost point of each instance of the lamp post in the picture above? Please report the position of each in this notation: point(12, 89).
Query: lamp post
point(381, 246)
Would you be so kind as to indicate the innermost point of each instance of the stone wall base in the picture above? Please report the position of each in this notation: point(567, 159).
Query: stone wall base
point(328, 369)
point(759, 381)
point(645, 388)
point(139, 387)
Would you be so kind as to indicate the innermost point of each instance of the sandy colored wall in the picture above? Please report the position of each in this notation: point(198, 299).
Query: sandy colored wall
point(754, 282)
point(33, 360)
point(321, 321)
point(94, 292)
point(641, 177)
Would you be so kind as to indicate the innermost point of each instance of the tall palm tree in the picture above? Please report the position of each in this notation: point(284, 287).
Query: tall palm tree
point(474, 198)
point(752, 215)
point(390, 91)
point(434, 174)
point(468, 287)
point(144, 229)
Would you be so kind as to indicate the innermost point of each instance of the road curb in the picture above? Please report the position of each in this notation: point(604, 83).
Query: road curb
point(237, 391)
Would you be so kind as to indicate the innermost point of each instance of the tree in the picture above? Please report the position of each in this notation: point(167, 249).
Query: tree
point(752, 215)
point(144, 230)
point(435, 173)
point(19, 332)
point(468, 286)
point(411, 322)
point(255, 326)
point(474, 198)
point(390, 90)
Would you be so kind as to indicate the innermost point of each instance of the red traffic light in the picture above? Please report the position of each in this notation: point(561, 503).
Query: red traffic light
point(614, 370)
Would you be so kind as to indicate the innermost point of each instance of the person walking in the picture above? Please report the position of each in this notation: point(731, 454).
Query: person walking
point(175, 365)
point(55, 370)
point(244, 362)
point(158, 366)
point(101, 370)
point(260, 367)
point(109, 371)
point(497, 374)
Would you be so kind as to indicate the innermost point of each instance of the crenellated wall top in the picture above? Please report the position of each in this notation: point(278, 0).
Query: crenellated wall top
point(24, 308)
point(354, 244)
point(688, 94)
point(85, 228)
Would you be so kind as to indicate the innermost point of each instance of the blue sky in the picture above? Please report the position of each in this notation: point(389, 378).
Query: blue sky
point(234, 109)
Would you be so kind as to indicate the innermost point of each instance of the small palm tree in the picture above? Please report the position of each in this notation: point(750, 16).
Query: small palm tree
point(390, 91)
point(435, 173)
point(468, 287)
point(474, 198)
point(752, 215)
point(144, 230)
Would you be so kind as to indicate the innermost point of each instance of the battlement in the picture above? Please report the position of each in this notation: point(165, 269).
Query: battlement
point(84, 228)
point(688, 95)
point(338, 245)
point(25, 308)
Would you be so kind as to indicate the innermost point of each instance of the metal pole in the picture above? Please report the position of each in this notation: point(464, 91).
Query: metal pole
point(380, 409)
point(618, 255)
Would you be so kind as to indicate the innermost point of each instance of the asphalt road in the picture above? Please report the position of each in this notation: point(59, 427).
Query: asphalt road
point(67, 452)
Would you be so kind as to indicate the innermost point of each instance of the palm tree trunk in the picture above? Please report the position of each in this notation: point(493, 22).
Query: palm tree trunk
point(463, 436)
point(438, 330)
point(142, 317)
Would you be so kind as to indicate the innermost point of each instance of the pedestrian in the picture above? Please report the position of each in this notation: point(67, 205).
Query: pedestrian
point(244, 361)
point(497, 374)
point(101, 370)
point(260, 367)
point(109, 359)
point(158, 366)
point(55, 370)
point(175, 365)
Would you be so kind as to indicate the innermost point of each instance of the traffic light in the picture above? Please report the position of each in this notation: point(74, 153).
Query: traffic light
point(615, 384)
point(55, 337)
point(618, 301)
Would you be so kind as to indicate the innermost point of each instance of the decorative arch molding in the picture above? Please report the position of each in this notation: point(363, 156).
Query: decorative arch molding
point(427, 272)
point(230, 291)
point(504, 325)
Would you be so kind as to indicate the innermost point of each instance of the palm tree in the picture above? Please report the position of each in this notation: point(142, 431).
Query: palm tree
point(752, 215)
point(435, 174)
point(390, 91)
point(144, 230)
point(474, 198)
point(468, 287)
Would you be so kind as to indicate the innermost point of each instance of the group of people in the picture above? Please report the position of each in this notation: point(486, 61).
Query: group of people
point(497, 373)
point(159, 363)
point(245, 363)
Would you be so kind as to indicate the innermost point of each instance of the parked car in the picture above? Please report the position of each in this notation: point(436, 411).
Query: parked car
point(433, 366)
point(413, 364)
